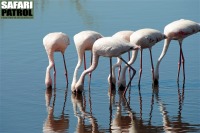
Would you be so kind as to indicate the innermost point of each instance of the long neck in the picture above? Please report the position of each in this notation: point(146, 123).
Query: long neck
point(76, 72)
point(164, 51)
point(90, 69)
point(119, 62)
point(80, 53)
point(48, 80)
point(132, 60)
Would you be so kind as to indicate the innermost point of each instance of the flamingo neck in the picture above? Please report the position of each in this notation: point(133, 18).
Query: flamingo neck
point(119, 62)
point(75, 74)
point(122, 79)
point(80, 82)
point(48, 80)
point(164, 51)
point(80, 58)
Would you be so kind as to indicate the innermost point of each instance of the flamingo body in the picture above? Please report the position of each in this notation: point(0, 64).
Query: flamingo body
point(110, 47)
point(107, 47)
point(54, 42)
point(180, 29)
point(177, 30)
point(124, 35)
point(144, 38)
point(84, 40)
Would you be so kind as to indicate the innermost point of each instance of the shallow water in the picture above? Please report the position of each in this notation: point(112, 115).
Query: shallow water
point(27, 106)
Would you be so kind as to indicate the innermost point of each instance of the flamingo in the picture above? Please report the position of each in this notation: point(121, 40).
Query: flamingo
point(121, 35)
point(84, 40)
point(177, 30)
point(55, 42)
point(107, 47)
point(145, 38)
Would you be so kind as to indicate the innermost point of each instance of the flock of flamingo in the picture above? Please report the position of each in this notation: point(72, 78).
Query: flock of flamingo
point(115, 46)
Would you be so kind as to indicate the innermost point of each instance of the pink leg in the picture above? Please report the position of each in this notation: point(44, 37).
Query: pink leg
point(179, 63)
point(152, 67)
point(129, 70)
point(66, 74)
point(119, 71)
point(129, 57)
point(183, 62)
point(84, 61)
point(134, 72)
point(111, 83)
point(54, 74)
point(140, 66)
point(90, 74)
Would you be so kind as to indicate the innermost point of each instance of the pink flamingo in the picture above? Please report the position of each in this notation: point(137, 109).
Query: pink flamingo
point(177, 30)
point(83, 41)
point(125, 35)
point(107, 47)
point(55, 42)
point(145, 38)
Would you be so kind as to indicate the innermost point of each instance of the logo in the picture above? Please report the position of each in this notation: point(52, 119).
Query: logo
point(16, 9)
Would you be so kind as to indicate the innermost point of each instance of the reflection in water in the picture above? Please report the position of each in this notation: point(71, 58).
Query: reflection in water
point(125, 119)
point(176, 125)
point(165, 117)
point(121, 122)
point(122, 117)
point(52, 123)
point(79, 107)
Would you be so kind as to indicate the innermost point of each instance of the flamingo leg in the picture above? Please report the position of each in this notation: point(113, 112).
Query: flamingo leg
point(90, 74)
point(119, 71)
point(134, 72)
point(66, 74)
point(111, 84)
point(140, 66)
point(54, 74)
point(183, 62)
point(152, 67)
point(84, 61)
point(129, 57)
point(179, 63)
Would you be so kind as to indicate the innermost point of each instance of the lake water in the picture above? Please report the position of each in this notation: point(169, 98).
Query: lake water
point(27, 106)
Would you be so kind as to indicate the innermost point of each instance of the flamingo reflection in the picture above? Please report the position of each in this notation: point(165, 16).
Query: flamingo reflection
point(175, 124)
point(52, 123)
point(125, 119)
point(79, 107)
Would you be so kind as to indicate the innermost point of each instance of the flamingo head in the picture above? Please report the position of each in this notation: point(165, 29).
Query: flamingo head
point(113, 80)
point(78, 88)
point(122, 85)
point(156, 78)
point(156, 82)
point(48, 83)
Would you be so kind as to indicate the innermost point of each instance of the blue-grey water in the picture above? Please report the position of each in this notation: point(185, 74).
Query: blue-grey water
point(27, 106)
